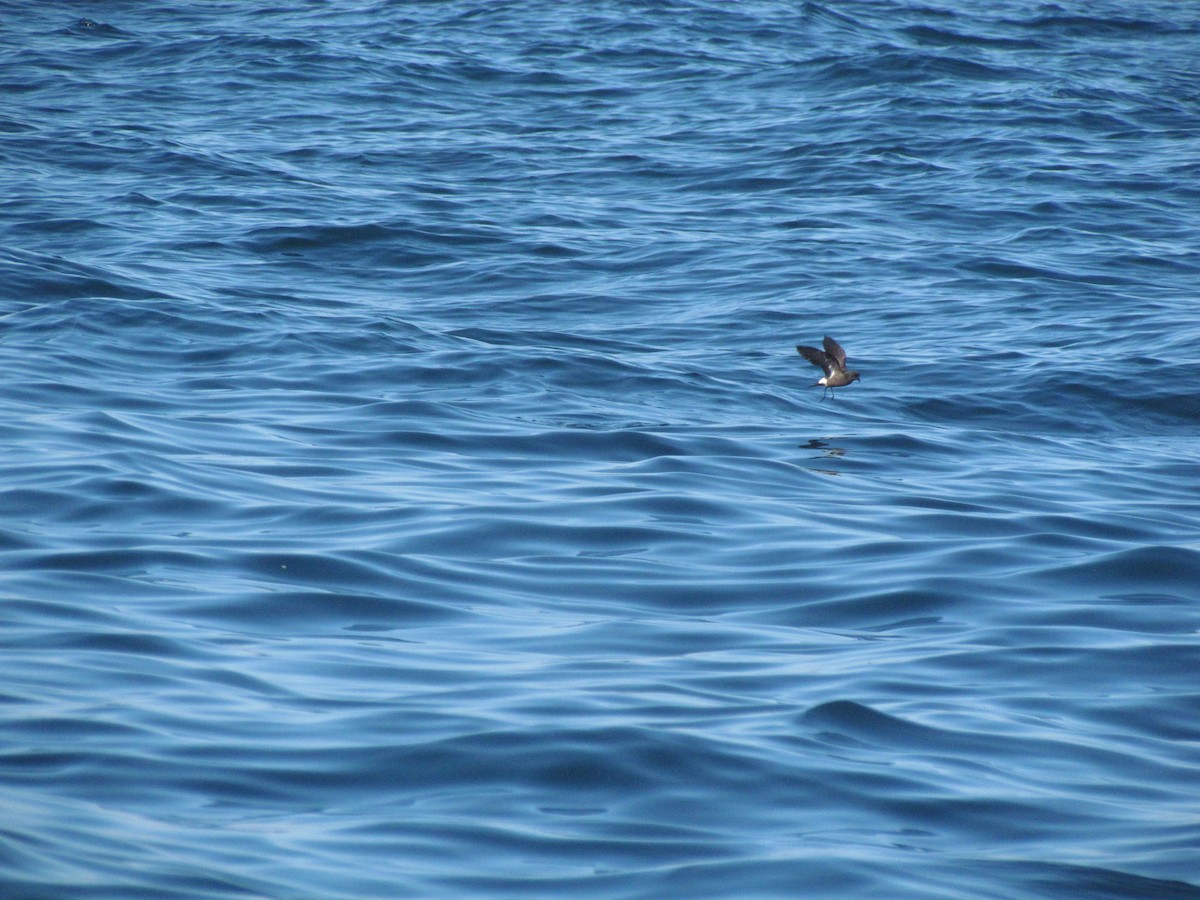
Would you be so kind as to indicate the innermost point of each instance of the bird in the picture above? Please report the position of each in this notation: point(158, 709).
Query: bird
point(833, 361)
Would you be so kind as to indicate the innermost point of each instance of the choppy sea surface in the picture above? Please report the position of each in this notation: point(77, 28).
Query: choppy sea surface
point(409, 486)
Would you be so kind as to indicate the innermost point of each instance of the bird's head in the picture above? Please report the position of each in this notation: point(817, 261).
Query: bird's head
point(854, 376)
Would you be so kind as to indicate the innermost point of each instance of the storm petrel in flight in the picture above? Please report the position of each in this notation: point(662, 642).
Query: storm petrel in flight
point(833, 361)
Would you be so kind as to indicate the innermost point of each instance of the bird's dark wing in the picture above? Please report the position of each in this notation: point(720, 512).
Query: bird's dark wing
point(834, 349)
point(817, 358)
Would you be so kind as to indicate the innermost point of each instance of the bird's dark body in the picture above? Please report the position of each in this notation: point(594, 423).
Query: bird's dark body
point(832, 360)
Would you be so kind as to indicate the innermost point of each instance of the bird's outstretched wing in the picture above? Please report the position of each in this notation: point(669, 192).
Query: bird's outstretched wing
point(834, 349)
point(817, 357)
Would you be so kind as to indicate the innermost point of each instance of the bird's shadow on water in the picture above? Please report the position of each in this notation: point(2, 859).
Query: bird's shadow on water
point(827, 451)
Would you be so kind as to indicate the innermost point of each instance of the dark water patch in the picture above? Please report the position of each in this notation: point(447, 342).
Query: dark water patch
point(1051, 880)
point(116, 560)
point(1007, 269)
point(140, 645)
point(944, 37)
point(862, 723)
point(1168, 718)
point(887, 611)
point(300, 610)
point(1173, 570)
point(1100, 26)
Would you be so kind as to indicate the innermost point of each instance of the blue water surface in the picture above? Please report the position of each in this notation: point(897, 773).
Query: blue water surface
point(409, 486)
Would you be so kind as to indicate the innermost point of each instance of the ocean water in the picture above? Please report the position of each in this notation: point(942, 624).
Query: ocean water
point(409, 486)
